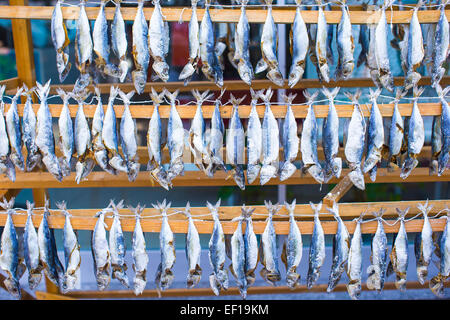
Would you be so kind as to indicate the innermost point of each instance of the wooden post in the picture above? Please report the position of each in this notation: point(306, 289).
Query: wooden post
point(338, 191)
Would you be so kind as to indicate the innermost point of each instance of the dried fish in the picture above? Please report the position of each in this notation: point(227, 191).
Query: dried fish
point(194, 46)
point(139, 253)
point(437, 282)
point(157, 41)
point(445, 130)
point(66, 136)
point(270, 142)
point(83, 50)
point(100, 251)
point(317, 248)
point(396, 133)
point(251, 246)
point(354, 265)
point(436, 144)
point(399, 253)
point(34, 158)
point(345, 45)
point(242, 43)
point(14, 133)
point(254, 139)
point(31, 250)
point(423, 244)
point(215, 145)
point(6, 165)
point(363, 40)
point(330, 138)
point(119, 42)
point(299, 44)
point(60, 41)
point(175, 139)
point(321, 54)
point(290, 140)
point(377, 270)
point(117, 246)
point(193, 250)
point(238, 255)
point(141, 54)
point(441, 44)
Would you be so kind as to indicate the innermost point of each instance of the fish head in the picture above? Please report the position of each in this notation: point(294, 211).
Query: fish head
point(13, 287)
point(139, 80)
point(162, 70)
point(317, 173)
point(325, 72)
point(387, 82)
point(357, 178)
point(354, 290)
point(347, 69)
point(295, 75)
point(276, 77)
point(287, 170)
point(336, 167)
point(245, 73)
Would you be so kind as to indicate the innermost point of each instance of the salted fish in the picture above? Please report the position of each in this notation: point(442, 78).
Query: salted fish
point(377, 270)
point(423, 244)
point(321, 46)
point(117, 246)
point(193, 251)
point(371, 58)
point(157, 40)
point(330, 138)
point(139, 253)
point(175, 138)
point(29, 132)
point(242, 43)
point(317, 248)
point(66, 136)
point(399, 253)
point(437, 282)
point(396, 133)
point(238, 251)
point(354, 265)
point(270, 141)
point(119, 44)
point(254, 139)
point(299, 44)
point(436, 144)
point(290, 140)
point(31, 250)
point(60, 41)
point(14, 133)
point(100, 251)
point(363, 40)
point(194, 46)
point(429, 47)
point(441, 46)
point(141, 52)
point(345, 45)
point(215, 145)
point(251, 246)
point(6, 165)
point(83, 50)
point(445, 130)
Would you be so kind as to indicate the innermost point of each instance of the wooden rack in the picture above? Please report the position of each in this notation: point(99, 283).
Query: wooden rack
point(20, 14)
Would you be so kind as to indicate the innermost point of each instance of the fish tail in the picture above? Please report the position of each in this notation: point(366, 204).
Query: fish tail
point(272, 208)
point(290, 207)
point(214, 208)
point(246, 212)
point(289, 98)
point(353, 97)
point(373, 95)
point(402, 213)
point(256, 94)
point(387, 4)
point(18, 94)
point(330, 94)
point(267, 96)
point(113, 92)
point(378, 214)
point(316, 207)
point(187, 210)
point(268, 2)
point(30, 207)
point(157, 98)
point(63, 207)
point(400, 93)
point(126, 97)
point(298, 2)
point(417, 92)
point(65, 96)
point(437, 285)
point(424, 208)
point(236, 101)
point(171, 96)
point(43, 90)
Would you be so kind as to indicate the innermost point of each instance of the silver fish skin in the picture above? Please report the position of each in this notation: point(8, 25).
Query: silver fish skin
point(100, 152)
point(242, 43)
point(444, 155)
point(119, 43)
point(60, 41)
point(44, 133)
point(31, 250)
point(330, 35)
point(292, 249)
point(218, 279)
point(215, 145)
point(128, 137)
point(109, 134)
point(29, 132)
point(194, 46)
point(83, 49)
point(377, 270)
point(354, 265)
point(254, 139)
point(436, 144)
point(308, 144)
point(71, 279)
point(399, 253)
point(193, 251)
point(139, 253)
point(404, 48)
point(321, 46)
point(299, 41)
point(14, 133)
point(416, 136)
point(231, 30)
point(441, 44)
point(164, 275)
point(237, 266)
point(429, 47)
point(375, 138)
point(317, 248)
point(345, 46)
point(330, 138)
point(354, 146)
point(141, 52)
point(66, 136)
point(175, 138)
point(100, 252)
point(157, 41)
point(371, 58)
point(155, 144)
point(251, 246)
point(210, 62)
point(270, 142)
point(290, 140)
point(6, 165)
point(9, 254)
point(341, 248)
point(235, 141)
point(437, 282)
point(423, 244)
point(117, 247)
point(396, 133)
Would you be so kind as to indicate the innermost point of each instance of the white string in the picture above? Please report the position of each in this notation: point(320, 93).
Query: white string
point(391, 225)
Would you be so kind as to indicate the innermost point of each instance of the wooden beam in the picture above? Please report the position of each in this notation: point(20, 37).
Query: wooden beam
point(11, 84)
point(9, 193)
point(338, 191)
point(40, 295)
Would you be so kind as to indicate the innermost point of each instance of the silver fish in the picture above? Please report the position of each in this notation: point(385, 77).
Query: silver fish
point(363, 40)
point(66, 136)
point(396, 133)
point(230, 41)
point(371, 57)
point(317, 248)
point(290, 140)
point(235, 144)
point(377, 270)
point(215, 145)
point(404, 48)
point(139, 253)
point(242, 43)
point(175, 138)
point(219, 277)
point(44, 133)
point(29, 132)
point(445, 130)
point(429, 47)
point(321, 46)
point(31, 250)
point(71, 279)
point(164, 274)
point(299, 41)
point(330, 138)
point(117, 246)
point(193, 250)
point(141, 54)
point(375, 138)
point(416, 136)
point(237, 266)
point(194, 46)
point(341, 248)
point(6, 165)
point(60, 41)
point(437, 282)
point(83, 49)
point(119, 44)
point(254, 139)
point(157, 40)
point(221, 34)
point(399, 253)
point(251, 246)
point(308, 144)
point(14, 133)
point(270, 142)
point(155, 144)
point(100, 251)
point(423, 244)
point(345, 46)
point(330, 35)
point(354, 146)
point(354, 265)
point(436, 144)
point(441, 44)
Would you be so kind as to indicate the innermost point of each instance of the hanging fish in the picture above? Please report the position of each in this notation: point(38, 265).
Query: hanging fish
point(445, 130)
point(254, 139)
point(423, 244)
point(66, 136)
point(396, 133)
point(363, 40)
point(308, 144)
point(242, 42)
point(290, 140)
point(141, 54)
point(299, 41)
point(210, 62)
point(330, 138)
point(345, 45)
point(371, 57)
point(100, 251)
point(139, 253)
point(429, 47)
point(238, 251)
point(230, 42)
point(157, 40)
point(375, 138)
point(215, 145)
point(341, 248)
point(354, 265)
point(29, 132)
point(436, 144)
point(218, 279)
point(194, 46)
point(164, 274)
point(270, 141)
point(71, 279)
point(330, 35)
point(83, 50)
point(321, 54)
point(14, 133)
point(221, 33)
point(193, 250)
point(251, 246)
point(441, 44)
point(404, 48)
point(235, 144)
point(60, 41)
point(31, 250)
point(399, 253)
point(44, 133)
point(317, 248)
point(416, 136)
point(437, 282)
point(175, 139)
point(6, 165)
point(377, 270)
point(117, 246)
point(354, 147)
point(119, 44)
point(155, 144)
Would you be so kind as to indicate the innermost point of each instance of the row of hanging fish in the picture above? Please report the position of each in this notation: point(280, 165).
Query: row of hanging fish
point(152, 40)
point(40, 253)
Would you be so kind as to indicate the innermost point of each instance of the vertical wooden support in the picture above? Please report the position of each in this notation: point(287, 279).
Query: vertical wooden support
point(338, 191)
